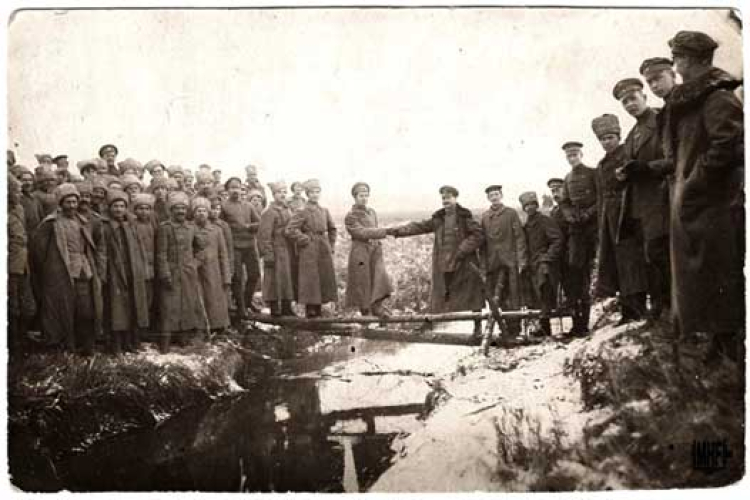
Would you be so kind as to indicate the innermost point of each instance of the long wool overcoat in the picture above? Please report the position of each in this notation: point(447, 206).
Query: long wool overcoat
point(545, 243)
point(124, 266)
point(367, 278)
point(622, 265)
point(314, 232)
point(54, 287)
point(275, 247)
point(214, 273)
point(466, 286)
point(181, 304)
point(705, 139)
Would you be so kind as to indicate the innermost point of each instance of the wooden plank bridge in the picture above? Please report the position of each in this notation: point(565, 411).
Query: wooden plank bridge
point(362, 326)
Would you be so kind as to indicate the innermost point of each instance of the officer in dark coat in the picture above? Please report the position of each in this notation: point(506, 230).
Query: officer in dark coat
point(646, 198)
point(544, 243)
point(579, 208)
point(621, 263)
point(706, 140)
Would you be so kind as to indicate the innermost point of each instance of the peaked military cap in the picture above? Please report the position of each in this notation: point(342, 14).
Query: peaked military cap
point(104, 149)
point(493, 187)
point(692, 43)
point(654, 65)
point(448, 190)
point(622, 87)
point(571, 145)
point(555, 181)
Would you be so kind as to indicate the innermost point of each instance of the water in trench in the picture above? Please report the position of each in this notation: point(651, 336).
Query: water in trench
point(324, 422)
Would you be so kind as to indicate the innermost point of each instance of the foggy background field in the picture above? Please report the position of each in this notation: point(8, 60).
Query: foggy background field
point(406, 99)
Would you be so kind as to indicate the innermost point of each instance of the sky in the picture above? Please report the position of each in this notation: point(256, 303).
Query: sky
point(404, 99)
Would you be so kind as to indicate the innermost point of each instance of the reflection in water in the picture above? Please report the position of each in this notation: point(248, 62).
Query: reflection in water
point(274, 439)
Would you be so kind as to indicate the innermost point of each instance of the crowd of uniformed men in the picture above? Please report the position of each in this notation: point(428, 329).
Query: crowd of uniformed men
point(662, 214)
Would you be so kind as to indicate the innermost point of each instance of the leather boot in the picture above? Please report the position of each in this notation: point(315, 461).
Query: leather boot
point(275, 309)
point(286, 309)
point(164, 341)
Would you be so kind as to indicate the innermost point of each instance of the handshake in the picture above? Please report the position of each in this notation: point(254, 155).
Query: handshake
point(391, 231)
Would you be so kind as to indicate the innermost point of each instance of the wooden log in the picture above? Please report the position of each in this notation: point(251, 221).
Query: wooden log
point(416, 318)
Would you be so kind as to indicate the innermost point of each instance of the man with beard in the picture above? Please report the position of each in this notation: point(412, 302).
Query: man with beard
point(67, 278)
point(705, 138)
point(646, 198)
point(621, 265)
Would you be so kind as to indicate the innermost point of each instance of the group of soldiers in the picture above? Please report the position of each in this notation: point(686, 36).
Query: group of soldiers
point(662, 214)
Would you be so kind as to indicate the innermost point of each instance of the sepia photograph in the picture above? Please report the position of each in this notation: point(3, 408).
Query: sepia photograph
point(393, 249)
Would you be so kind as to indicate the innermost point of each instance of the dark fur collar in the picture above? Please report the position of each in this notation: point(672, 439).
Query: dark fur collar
point(712, 80)
point(460, 212)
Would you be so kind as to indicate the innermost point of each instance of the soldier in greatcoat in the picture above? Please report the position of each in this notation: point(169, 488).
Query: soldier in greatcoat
point(159, 190)
point(313, 231)
point(504, 251)
point(123, 266)
point(252, 182)
point(455, 286)
point(32, 208)
point(647, 194)
point(244, 220)
point(146, 225)
point(109, 153)
point(277, 252)
point(214, 271)
point(180, 295)
point(622, 267)
point(214, 216)
point(705, 138)
point(21, 305)
point(368, 283)
point(66, 277)
point(45, 190)
point(544, 243)
point(579, 208)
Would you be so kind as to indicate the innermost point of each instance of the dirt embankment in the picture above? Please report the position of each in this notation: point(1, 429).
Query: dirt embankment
point(61, 403)
point(621, 409)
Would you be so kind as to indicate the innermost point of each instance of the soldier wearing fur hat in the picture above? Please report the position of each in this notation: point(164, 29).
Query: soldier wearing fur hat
point(21, 305)
point(544, 242)
point(214, 270)
point(705, 138)
point(124, 276)
point(579, 209)
point(314, 232)
point(244, 220)
point(68, 290)
point(99, 195)
point(89, 168)
point(155, 168)
point(180, 306)
point(159, 189)
point(85, 189)
point(621, 264)
point(455, 287)
point(61, 168)
point(504, 252)
point(646, 200)
point(145, 224)
point(277, 252)
point(368, 283)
